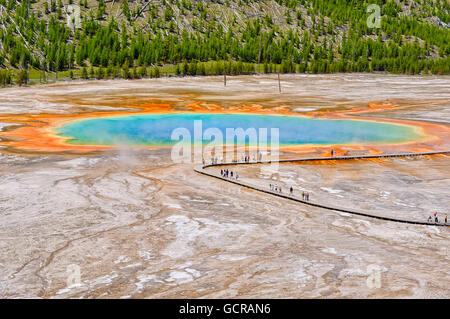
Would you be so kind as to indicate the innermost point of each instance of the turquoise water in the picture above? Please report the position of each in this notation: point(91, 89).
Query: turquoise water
point(156, 129)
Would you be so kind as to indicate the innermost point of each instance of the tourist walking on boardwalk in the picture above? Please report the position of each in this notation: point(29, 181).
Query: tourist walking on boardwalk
point(430, 219)
point(446, 219)
point(291, 190)
point(303, 195)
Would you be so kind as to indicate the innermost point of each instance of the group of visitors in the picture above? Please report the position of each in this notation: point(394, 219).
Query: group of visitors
point(246, 158)
point(214, 161)
point(333, 152)
point(436, 218)
point(226, 173)
point(275, 188)
point(305, 196)
point(278, 189)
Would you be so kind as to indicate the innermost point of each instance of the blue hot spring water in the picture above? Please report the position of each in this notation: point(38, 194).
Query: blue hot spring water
point(156, 129)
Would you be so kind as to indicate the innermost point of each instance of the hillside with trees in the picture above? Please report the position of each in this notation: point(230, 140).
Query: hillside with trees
point(149, 38)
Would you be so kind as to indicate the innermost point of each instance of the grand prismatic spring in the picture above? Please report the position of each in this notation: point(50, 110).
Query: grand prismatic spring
point(156, 129)
point(88, 187)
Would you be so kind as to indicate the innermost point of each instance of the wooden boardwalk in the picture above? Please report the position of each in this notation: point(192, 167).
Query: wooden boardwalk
point(201, 170)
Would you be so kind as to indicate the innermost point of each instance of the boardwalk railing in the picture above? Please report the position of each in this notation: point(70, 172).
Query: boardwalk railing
point(201, 170)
